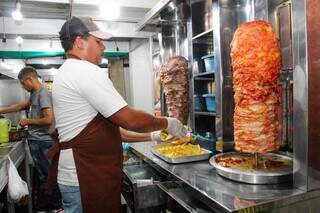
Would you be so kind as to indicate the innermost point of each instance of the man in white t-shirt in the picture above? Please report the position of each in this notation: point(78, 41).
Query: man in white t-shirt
point(89, 113)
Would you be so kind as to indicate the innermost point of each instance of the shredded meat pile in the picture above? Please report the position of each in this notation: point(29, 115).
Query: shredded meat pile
point(174, 80)
point(255, 56)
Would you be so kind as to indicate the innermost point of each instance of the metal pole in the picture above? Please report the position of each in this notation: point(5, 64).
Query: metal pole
point(256, 159)
point(28, 176)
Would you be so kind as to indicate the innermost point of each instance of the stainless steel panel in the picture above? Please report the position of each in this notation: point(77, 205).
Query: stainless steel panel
point(140, 189)
point(280, 17)
point(182, 159)
point(313, 45)
point(261, 9)
point(201, 16)
point(300, 91)
point(173, 39)
point(11, 92)
point(228, 15)
point(182, 199)
point(140, 171)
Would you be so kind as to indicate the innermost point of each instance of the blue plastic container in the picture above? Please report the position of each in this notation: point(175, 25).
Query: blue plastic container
point(209, 63)
point(198, 103)
point(210, 102)
point(207, 143)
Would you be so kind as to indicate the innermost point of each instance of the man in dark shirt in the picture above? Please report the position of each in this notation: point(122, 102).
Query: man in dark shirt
point(39, 125)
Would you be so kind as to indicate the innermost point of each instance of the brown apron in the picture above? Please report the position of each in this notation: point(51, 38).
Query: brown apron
point(97, 152)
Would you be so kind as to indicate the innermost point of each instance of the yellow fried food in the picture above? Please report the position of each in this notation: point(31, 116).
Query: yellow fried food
point(165, 136)
point(180, 150)
point(183, 140)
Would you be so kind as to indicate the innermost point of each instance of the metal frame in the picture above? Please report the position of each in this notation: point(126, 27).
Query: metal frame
point(147, 18)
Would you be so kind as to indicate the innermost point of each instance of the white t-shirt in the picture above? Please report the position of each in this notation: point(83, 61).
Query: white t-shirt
point(80, 90)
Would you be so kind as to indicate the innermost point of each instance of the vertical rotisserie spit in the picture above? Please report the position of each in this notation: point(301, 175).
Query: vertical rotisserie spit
point(174, 80)
point(255, 56)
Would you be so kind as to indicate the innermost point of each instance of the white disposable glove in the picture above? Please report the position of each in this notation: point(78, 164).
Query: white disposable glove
point(155, 136)
point(176, 128)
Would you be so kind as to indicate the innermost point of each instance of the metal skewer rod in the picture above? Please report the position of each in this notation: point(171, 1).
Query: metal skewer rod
point(256, 159)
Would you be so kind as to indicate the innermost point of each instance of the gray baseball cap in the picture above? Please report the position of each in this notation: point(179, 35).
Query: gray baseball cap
point(80, 26)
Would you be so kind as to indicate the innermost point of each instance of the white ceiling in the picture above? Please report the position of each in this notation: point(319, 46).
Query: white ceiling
point(43, 18)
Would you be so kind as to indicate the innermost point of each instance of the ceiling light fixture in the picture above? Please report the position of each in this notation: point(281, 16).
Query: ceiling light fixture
point(17, 15)
point(19, 40)
point(109, 10)
point(4, 39)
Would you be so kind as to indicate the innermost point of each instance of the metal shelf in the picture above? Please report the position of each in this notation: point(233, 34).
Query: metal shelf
point(203, 79)
point(205, 113)
point(202, 34)
point(202, 74)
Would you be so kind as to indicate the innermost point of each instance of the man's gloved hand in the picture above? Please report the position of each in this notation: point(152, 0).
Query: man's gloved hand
point(155, 136)
point(176, 128)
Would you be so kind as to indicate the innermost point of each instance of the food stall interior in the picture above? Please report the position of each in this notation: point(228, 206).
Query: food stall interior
point(200, 32)
point(210, 29)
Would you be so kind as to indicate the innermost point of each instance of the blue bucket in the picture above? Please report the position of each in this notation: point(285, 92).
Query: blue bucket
point(210, 102)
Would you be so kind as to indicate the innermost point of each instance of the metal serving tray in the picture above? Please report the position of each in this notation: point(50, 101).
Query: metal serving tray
point(183, 159)
point(263, 176)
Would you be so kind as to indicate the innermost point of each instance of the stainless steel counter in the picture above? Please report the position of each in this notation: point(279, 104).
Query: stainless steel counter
point(223, 194)
point(17, 154)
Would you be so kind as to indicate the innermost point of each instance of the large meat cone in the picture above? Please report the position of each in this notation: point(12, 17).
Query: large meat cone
point(255, 56)
point(174, 80)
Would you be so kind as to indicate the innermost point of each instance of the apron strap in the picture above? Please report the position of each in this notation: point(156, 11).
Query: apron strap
point(53, 155)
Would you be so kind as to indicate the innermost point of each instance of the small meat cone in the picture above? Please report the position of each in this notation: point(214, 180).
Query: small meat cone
point(175, 83)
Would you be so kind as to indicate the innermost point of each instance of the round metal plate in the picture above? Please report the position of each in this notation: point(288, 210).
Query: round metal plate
point(260, 176)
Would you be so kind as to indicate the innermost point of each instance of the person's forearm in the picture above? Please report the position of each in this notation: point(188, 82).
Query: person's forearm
point(12, 108)
point(138, 121)
point(131, 137)
point(39, 122)
point(145, 122)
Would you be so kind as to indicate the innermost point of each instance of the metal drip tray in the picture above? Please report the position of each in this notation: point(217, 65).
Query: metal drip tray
point(272, 168)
